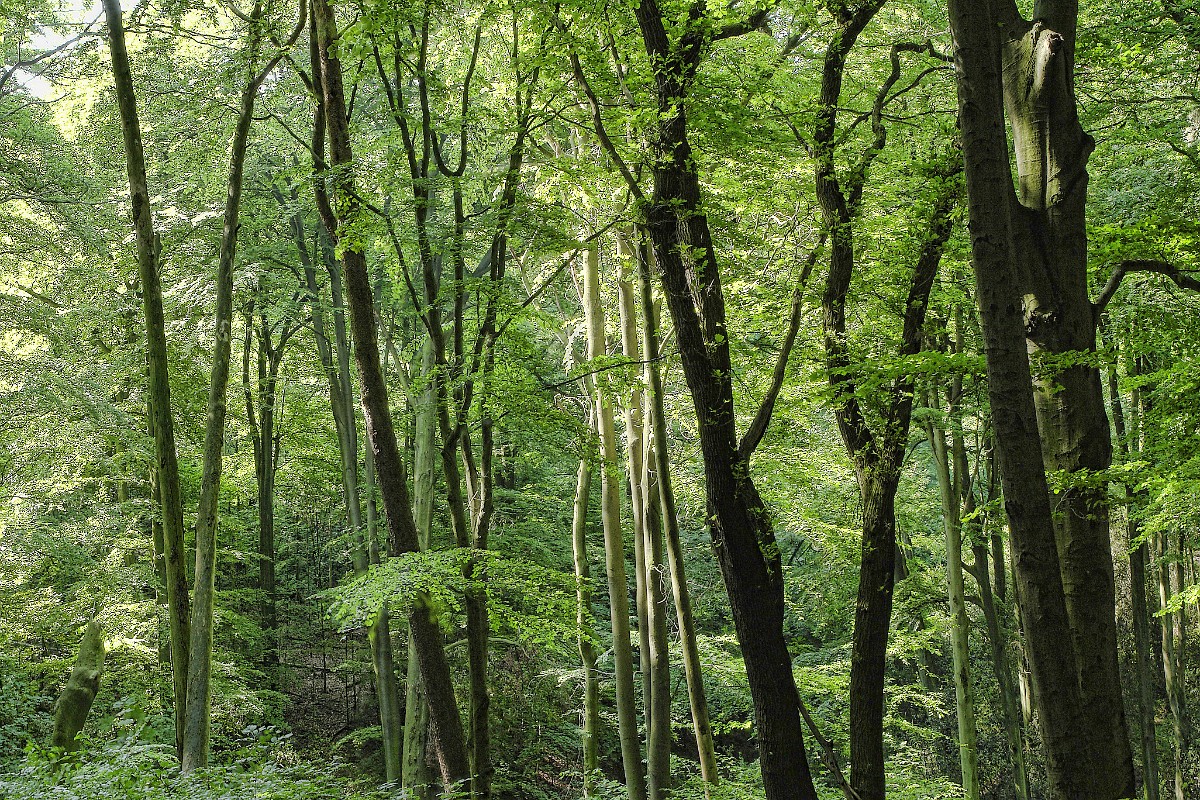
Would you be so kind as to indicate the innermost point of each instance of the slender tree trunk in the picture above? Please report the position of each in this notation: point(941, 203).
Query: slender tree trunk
point(415, 773)
point(1143, 647)
point(260, 417)
point(614, 540)
point(999, 640)
point(968, 751)
point(445, 723)
point(382, 654)
point(659, 460)
point(739, 525)
point(196, 733)
point(585, 623)
point(1170, 575)
point(998, 627)
point(656, 668)
point(335, 359)
point(159, 389)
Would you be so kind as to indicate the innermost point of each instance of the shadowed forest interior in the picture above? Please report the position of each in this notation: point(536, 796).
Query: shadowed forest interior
point(514, 399)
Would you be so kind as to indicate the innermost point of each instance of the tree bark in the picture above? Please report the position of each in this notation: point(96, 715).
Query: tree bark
point(415, 771)
point(1143, 647)
point(1049, 230)
point(660, 461)
point(445, 723)
point(75, 702)
point(614, 539)
point(656, 668)
point(952, 515)
point(1072, 765)
point(159, 389)
point(585, 623)
point(739, 525)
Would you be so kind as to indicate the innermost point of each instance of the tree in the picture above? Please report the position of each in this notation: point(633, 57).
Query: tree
point(1036, 240)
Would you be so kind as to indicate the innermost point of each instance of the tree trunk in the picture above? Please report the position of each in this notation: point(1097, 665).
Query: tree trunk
point(1049, 231)
point(656, 668)
point(659, 459)
point(382, 654)
point(585, 623)
point(159, 389)
point(1072, 764)
point(415, 773)
point(952, 514)
point(1170, 575)
point(1143, 647)
point(260, 418)
point(740, 527)
point(73, 704)
point(445, 723)
point(614, 540)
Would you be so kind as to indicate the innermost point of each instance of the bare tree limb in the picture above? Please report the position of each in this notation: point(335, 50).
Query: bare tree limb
point(828, 755)
point(1181, 279)
point(758, 427)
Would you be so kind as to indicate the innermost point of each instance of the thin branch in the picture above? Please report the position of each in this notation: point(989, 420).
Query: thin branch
point(828, 754)
point(598, 122)
point(623, 363)
point(758, 427)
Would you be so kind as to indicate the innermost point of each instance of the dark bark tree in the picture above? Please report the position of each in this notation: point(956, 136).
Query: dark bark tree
point(741, 529)
point(1031, 246)
point(445, 724)
point(877, 456)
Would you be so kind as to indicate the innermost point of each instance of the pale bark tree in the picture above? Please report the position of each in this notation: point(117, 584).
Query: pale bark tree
point(648, 551)
point(614, 538)
point(953, 489)
point(659, 460)
point(75, 701)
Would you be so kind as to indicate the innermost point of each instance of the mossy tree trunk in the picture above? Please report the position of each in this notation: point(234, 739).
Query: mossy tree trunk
point(75, 702)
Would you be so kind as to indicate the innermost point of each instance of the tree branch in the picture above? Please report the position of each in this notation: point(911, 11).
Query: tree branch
point(758, 427)
point(1181, 279)
point(828, 755)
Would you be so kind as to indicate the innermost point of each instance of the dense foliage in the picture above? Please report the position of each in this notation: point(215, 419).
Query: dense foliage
point(509, 161)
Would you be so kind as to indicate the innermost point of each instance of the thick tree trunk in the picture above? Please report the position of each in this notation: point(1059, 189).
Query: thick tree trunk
point(159, 389)
point(445, 723)
point(75, 702)
point(659, 460)
point(614, 539)
point(1049, 230)
point(1074, 765)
